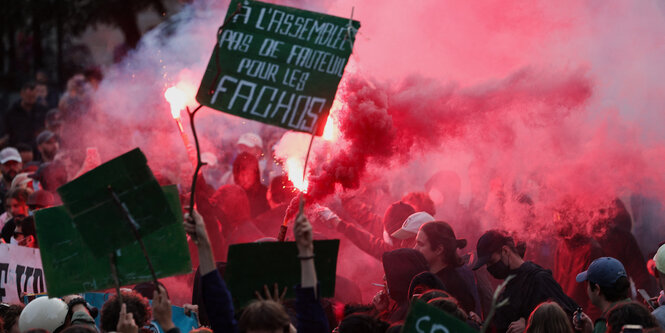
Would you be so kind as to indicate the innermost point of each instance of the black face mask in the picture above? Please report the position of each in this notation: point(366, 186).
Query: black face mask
point(499, 270)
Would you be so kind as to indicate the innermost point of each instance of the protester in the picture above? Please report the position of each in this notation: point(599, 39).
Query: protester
point(234, 215)
point(25, 118)
point(279, 195)
point(246, 174)
point(10, 317)
point(47, 145)
point(608, 285)
point(659, 260)
point(17, 209)
point(574, 252)
point(529, 286)
point(548, 317)
point(438, 244)
point(394, 217)
point(133, 306)
point(10, 165)
point(420, 201)
point(400, 266)
point(629, 313)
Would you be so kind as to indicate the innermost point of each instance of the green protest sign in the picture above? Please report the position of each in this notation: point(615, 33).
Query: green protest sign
point(424, 318)
point(90, 204)
point(71, 267)
point(252, 265)
point(277, 65)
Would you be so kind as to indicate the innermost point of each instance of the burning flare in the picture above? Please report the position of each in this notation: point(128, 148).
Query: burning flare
point(294, 168)
point(177, 99)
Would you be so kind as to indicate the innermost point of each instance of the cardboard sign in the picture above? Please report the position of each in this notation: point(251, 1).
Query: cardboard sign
point(424, 318)
point(252, 265)
point(71, 267)
point(20, 272)
point(96, 215)
point(278, 65)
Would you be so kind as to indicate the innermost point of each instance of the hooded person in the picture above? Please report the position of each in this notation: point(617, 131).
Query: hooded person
point(235, 220)
point(246, 174)
point(393, 220)
point(400, 267)
point(280, 193)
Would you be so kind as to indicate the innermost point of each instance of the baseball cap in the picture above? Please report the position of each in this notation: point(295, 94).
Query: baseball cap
point(10, 154)
point(490, 242)
point(411, 225)
point(603, 271)
point(41, 198)
point(44, 136)
point(659, 258)
point(250, 140)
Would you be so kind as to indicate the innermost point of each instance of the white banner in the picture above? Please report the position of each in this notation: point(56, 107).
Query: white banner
point(20, 272)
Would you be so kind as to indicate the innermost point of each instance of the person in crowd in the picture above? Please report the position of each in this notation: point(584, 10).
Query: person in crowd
point(424, 282)
point(17, 209)
point(629, 313)
point(449, 305)
point(246, 175)
point(529, 286)
point(420, 201)
point(47, 145)
point(613, 227)
point(53, 122)
point(10, 316)
point(411, 225)
point(607, 286)
point(393, 218)
point(217, 299)
point(40, 199)
point(233, 209)
point(10, 165)
point(25, 118)
point(400, 267)
point(659, 270)
point(575, 251)
point(133, 305)
point(76, 100)
point(280, 193)
point(55, 314)
point(27, 156)
point(548, 317)
point(438, 244)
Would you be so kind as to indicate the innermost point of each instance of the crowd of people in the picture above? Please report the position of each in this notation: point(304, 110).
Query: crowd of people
point(574, 281)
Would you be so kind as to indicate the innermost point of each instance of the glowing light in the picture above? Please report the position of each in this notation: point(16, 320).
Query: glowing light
point(294, 168)
point(330, 131)
point(177, 98)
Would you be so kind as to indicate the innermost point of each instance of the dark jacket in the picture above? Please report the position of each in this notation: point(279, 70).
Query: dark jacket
point(531, 286)
point(218, 303)
point(460, 283)
point(310, 314)
point(401, 266)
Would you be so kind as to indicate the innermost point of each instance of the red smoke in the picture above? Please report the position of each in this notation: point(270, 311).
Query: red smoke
point(387, 125)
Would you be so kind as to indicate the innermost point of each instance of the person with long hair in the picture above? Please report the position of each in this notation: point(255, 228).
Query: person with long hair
point(548, 317)
point(437, 242)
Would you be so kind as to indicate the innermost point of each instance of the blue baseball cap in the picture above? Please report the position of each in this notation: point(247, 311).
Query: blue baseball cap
point(603, 271)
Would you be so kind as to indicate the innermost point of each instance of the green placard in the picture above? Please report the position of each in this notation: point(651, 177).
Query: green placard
point(426, 318)
point(252, 265)
point(71, 267)
point(278, 65)
point(98, 218)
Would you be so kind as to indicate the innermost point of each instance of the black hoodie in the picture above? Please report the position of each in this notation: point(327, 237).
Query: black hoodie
point(401, 266)
point(531, 286)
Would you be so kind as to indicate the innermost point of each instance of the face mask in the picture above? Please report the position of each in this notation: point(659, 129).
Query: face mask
point(499, 270)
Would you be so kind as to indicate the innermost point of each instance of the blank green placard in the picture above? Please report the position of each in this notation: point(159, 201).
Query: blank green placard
point(70, 267)
point(98, 218)
point(252, 265)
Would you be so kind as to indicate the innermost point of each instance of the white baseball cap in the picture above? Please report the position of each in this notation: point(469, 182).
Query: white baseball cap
point(250, 140)
point(10, 154)
point(411, 225)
